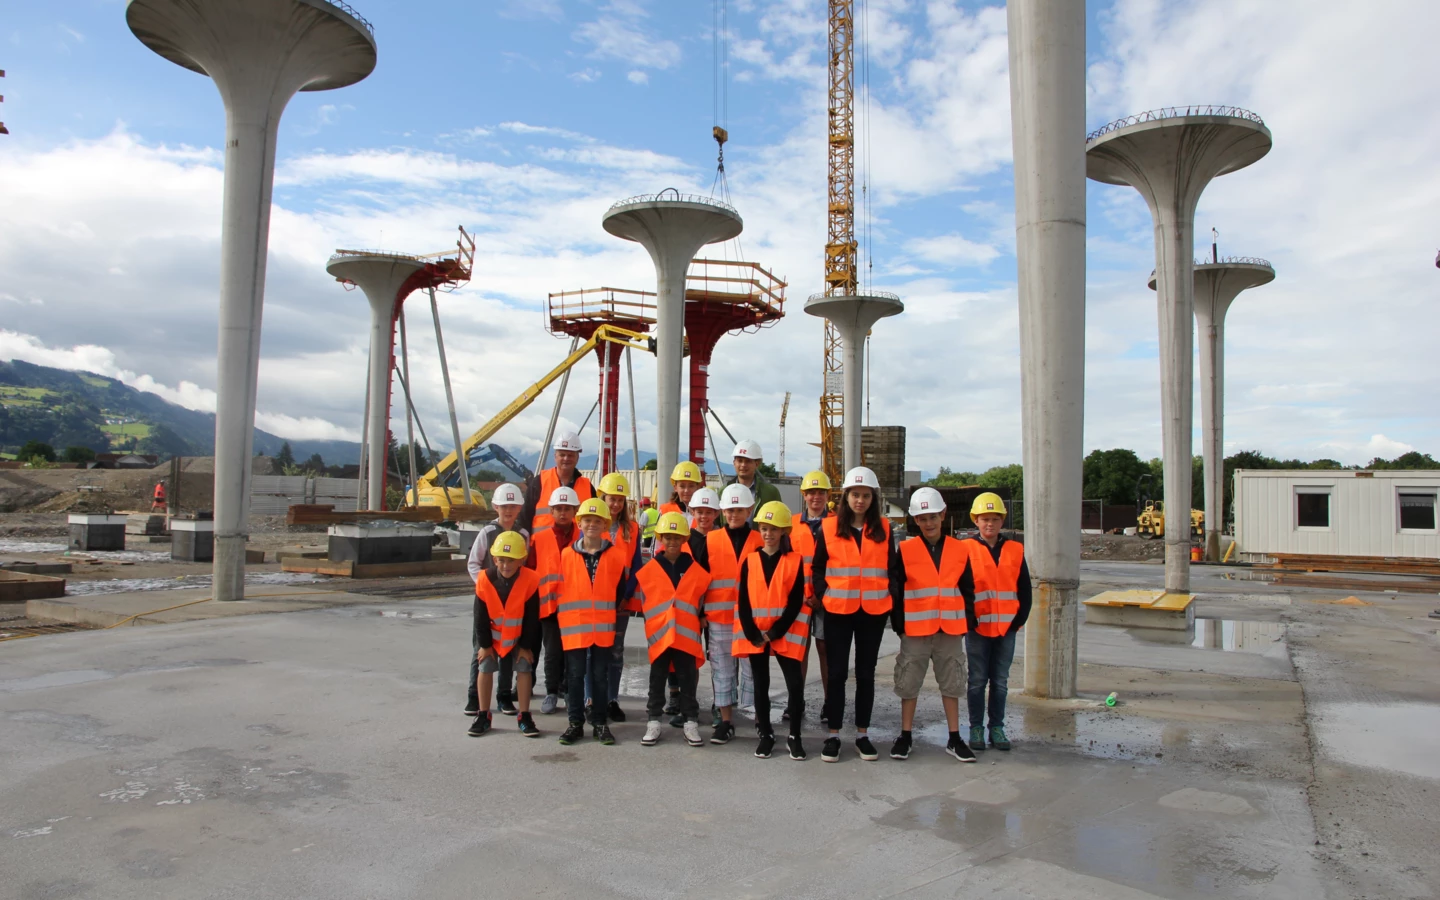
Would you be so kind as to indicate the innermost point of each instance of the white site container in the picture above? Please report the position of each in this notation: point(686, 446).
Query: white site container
point(1337, 512)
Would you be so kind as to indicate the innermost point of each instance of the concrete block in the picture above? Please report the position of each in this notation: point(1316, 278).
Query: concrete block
point(1141, 609)
point(92, 532)
point(380, 544)
point(192, 540)
point(145, 524)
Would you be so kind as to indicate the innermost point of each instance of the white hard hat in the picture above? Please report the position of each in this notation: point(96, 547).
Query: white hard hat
point(564, 496)
point(567, 440)
point(736, 496)
point(749, 450)
point(705, 498)
point(926, 500)
point(861, 477)
point(508, 495)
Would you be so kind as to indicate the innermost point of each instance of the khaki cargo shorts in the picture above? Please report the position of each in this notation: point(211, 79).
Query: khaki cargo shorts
point(916, 653)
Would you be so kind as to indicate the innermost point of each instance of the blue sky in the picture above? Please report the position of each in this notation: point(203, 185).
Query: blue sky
point(525, 120)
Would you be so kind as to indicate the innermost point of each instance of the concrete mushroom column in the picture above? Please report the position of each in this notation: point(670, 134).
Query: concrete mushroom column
point(259, 53)
point(1216, 287)
point(1169, 156)
point(672, 227)
point(1047, 108)
point(853, 315)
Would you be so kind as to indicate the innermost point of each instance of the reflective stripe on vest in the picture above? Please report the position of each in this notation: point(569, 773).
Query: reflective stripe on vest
point(767, 605)
point(997, 599)
point(586, 608)
point(855, 577)
point(672, 613)
point(802, 541)
point(507, 618)
point(549, 481)
point(547, 565)
point(933, 601)
point(626, 536)
point(725, 572)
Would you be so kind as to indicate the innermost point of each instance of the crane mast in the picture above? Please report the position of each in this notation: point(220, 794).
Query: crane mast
point(784, 412)
point(841, 272)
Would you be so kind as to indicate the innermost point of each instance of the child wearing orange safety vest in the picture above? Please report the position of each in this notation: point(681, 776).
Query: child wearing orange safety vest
point(507, 627)
point(624, 533)
point(996, 586)
point(671, 591)
point(774, 622)
point(547, 545)
point(929, 616)
point(594, 586)
point(855, 570)
point(507, 501)
point(804, 533)
point(726, 549)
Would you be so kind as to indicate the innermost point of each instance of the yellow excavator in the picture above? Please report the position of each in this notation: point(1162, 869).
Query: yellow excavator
point(441, 485)
point(1151, 520)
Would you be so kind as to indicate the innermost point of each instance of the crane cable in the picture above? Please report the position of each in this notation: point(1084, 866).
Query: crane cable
point(720, 98)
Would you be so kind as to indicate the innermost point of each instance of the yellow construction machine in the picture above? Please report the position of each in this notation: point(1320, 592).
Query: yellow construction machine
point(1151, 520)
point(441, 485)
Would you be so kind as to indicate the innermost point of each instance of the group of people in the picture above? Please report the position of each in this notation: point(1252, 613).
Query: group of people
point(734, 579)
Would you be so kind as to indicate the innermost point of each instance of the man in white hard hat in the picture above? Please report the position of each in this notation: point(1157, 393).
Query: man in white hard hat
point(507, 501)
point(747, 459)
point(563, 474)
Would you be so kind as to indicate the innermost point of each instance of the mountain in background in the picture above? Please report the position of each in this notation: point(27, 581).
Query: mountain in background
point(81, 409)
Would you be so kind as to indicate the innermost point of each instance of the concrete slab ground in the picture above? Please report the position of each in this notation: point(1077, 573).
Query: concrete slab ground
point(321, 753)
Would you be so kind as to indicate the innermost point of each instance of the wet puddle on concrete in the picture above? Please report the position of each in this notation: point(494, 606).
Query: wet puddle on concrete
point(13, 546)
point(408, 614)
point(1398, 738)
point(1225, 635)
point(75, 588)
point(1099, 734)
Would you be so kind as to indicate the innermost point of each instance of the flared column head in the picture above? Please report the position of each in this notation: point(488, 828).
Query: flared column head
point(381, 276)
point(1169, 155)
point(854, 314)
point(264, 48)
point(673, 226)
point(1218, 284)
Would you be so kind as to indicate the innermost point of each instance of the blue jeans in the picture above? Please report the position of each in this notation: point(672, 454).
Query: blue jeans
point(581, 666)
point(989, 660)
point(617, 660)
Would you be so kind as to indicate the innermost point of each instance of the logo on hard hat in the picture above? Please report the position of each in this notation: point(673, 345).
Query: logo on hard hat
point(505, 549)
point(989, 505)
point(924, 504)
point(770, 515)
point(674, 526)
point(859, 478)
point(509, 495)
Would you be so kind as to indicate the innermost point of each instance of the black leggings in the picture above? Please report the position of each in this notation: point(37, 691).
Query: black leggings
point(867, 630)
point(794, 689)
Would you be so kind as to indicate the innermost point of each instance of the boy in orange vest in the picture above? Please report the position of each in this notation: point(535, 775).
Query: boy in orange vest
point(996, 585)
point(929, 616)
point(726, 548)
point(547, 545)
point(594, 586)
point(815, 489)
point(773, 621)
point(671, 590)
point(507, 625)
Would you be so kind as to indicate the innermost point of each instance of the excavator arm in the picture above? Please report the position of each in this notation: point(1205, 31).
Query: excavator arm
point(430, 486)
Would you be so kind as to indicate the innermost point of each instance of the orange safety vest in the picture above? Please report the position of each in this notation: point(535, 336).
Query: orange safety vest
point(508, 616)
point(549, 481)
point(802, 541)
point(997, 602)
point(725, 574)
point(671, 507)
point(626, 538)
point(672, 614)
point(856, 576)
point(159, 493)
point(933, 601)
point(547, 565)
point(587, 609)
point(767, 604)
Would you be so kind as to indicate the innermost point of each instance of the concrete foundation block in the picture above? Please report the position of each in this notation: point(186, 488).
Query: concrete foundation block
point(192, 540)
point(378, 544)
point(89, 532)
point(1141, 609)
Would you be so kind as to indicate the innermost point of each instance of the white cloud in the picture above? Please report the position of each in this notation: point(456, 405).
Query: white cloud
point(586, 75)
point(618, 33)
point(952, 249)
point(635, 76)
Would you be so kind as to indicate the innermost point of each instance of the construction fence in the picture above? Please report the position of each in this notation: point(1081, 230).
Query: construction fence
point(273, 495)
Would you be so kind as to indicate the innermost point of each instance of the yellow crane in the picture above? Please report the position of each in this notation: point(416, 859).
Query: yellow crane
point(784, 412)
point(432, 488)
point(841, 269)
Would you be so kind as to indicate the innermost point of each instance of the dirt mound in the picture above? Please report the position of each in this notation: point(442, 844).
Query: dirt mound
point(97, 502)
point(18, 492)
point(1121, 547)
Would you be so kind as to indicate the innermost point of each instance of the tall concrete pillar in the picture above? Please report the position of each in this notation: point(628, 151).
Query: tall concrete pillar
point(672, 227)
point(383, 278)
point(1217, 284)
point(259, 53)
point(1047, 111)
point(853, 315)
point(1169, 156)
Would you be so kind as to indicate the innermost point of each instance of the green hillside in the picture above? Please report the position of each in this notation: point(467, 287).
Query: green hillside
point(82, 409)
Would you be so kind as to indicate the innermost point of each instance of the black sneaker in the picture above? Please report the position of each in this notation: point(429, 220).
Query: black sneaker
point(472, 706)
point(723, 733)
point(481, 725)
point(785, 716)
point(866, 749)
point(765, 747)
point(574, 734)
point(797, 749)
point(831, 751)
point(526, 724)
point(603, 735)
point(901, 748)
point(506, 702)
point(677, 721)
point(614, 713)
point(960, 750)
point(672, 707)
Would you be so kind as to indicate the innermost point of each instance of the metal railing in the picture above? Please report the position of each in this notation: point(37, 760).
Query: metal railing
point(1175, 112)
point(604, 304)
point(672, 195)
point(879, 295)
point(352, 13)
point(1236, 260)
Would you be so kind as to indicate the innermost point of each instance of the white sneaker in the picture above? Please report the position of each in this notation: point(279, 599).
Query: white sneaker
point(692, 734)
point(652, 733)
point(550, 704)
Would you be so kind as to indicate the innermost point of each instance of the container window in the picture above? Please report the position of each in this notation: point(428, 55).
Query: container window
point(1417, 511)
point(1312, 507)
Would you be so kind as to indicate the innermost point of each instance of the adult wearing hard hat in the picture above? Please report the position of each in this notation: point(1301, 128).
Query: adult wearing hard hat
point(726, 548)
point(747, 459)
point(507, 501)
point(623, 533)
point(929, 616)
point(685, 479)
point(648, 518)
point(563, 474)
point(804, 533)
point(855, 574)
point(996, 586)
